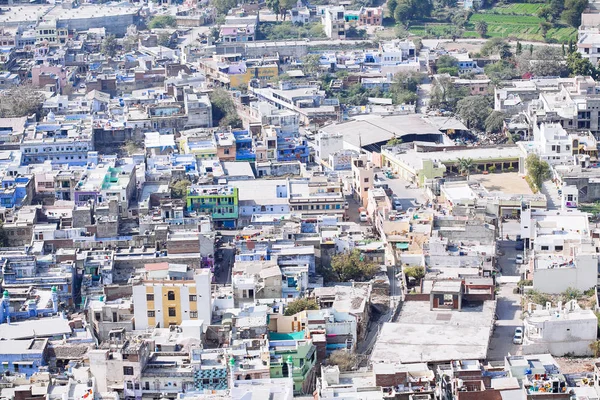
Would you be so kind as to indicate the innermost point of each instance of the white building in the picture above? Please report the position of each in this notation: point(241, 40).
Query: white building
point(563, 253)
point(334, 22)
point(162, 303)
point(560, 330)
point(552, 143)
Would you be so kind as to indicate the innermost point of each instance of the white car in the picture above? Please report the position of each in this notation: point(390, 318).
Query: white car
point(519, 259)
point(518, 336)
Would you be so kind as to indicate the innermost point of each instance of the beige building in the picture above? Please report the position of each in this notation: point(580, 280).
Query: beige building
point(363, 172)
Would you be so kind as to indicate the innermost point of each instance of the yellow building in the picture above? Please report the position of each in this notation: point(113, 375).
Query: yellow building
point(161, 301)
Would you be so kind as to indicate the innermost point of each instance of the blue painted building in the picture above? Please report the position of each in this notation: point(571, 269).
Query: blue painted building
point(291, 147)
point(23, 356)
point(244, 146)
point(15, 191)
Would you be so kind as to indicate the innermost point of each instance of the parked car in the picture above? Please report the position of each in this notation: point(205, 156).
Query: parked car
point(397, 204)
point(518, 336)
point(346, 205)
point(519, 259)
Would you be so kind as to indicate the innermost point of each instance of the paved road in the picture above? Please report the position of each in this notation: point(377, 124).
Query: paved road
point(224, 266)
point(424, 96)
point(408, 196)
point(509, 317)
point(433, 43)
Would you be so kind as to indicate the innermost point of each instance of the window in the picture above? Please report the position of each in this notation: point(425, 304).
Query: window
point(170, 295)
point(129, 385)
point(151, 313)
point(366, 180)
point(193, 297)
point(137, 386)
point(172, 312)
point(544, 247)
point(193, 314)
point(127, 370)
point(558, 248)
point(149, 297)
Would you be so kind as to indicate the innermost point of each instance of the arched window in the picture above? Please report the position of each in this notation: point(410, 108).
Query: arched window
point(170, 295)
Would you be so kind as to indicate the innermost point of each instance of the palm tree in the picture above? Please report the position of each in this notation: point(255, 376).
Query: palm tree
point(481, 27)
point(465, 165)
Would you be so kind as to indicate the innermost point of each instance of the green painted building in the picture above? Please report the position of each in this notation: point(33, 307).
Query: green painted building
point(220, 202)
point(299, 355)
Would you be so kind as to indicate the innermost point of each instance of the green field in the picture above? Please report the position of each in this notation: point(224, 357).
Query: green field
point(522, 9)
point(502, 22)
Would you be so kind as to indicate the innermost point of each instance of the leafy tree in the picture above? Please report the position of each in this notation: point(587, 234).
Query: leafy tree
point(571, 293)
point(595, 347)
point(500, 71)
point(416, 272)
point(109, 46)
point(299, 305)
point(351, 266)
point(391, 6)
point(495, 121)
point(164, 39)
point(345, 360)
point(179, 189)
point(311, 64)
point(465, 166)
point(408, 10)
point(224, 112)
point(482, 28)
point(162, 21)
point(274, 6)
point(519, 49)
point(544, 61)
point(537, 170)
point(21, 101)
point(354, 33)
point(497, 46)
point(447, 65)
point(130, 43)
point(223, 6)
point(394, 141)
point(557, 7)
point(545, 13)
point(578, 65)
point(473, 110)
point(403, 89)
point(572, 12)
point(131, 147)
point(445, 94)
point(545, 27)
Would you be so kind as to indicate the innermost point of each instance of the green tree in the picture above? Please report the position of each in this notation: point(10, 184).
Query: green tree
point(495, 121)
point(519, 49)
point(109, 46)
point(223, 6)
point(482, 28)
point(500, 71)
point(537, 170)
point(21, 101)
point(131, 147)
point(496, 46)
point(130, 43)
point(299, 305)
point(273, 5)
point(595, 347)
point(391, 6)
point(416, 272)
point(395, 141)
point(572, 12)
point(557, 7)
point(352, 266)
point(545, 27)
point(162, 21)
point(311, 64)
point(473, 110)
point(444, 94)
point(578, 65)
point(224, 112)
point(164, 39)
point(403, 89)
point(446, 64)
point(465, 166)
point(179, 189)
point(544, 61)
point(409, 10)
point(545, 13)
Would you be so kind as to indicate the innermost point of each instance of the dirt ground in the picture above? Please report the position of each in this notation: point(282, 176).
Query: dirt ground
point(507, 182)
point(574, 365)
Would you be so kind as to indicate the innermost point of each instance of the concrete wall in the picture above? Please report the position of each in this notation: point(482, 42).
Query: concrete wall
point(557, 280)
